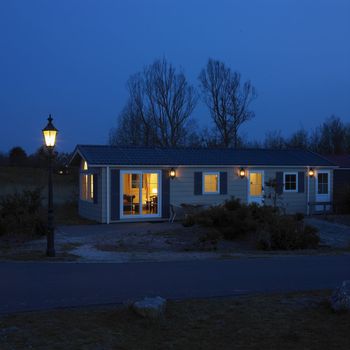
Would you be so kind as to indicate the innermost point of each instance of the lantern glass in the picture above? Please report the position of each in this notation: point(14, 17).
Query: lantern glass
point(50, 133)
point(311, 172)
point(172, 173)
point(50, 137)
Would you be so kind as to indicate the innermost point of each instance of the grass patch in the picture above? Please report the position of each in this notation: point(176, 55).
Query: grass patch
point(67, 214)
point(284, 321)
point(35, 255)
point(118, 246)
point(70, 246)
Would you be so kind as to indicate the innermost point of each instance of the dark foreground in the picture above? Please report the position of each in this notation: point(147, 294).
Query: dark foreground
point(39, 286)
point(283, 321)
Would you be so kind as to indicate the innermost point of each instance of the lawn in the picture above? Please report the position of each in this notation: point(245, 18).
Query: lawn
point(17, 179)
point(283, 321)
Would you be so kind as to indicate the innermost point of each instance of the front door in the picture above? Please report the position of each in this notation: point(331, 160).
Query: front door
point(256, 187)
point(323, 189)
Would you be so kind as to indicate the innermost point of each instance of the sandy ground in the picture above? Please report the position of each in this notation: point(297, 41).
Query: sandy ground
point(162, 241)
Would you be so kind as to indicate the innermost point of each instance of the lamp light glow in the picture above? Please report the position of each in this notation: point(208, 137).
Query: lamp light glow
point(311, 172)
point(241, 173)
point(49, 133)
point(172, 173)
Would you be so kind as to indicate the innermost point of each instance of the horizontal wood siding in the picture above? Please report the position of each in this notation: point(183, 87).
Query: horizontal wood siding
point(89, 209)
point(182, 187)
point(292, 202)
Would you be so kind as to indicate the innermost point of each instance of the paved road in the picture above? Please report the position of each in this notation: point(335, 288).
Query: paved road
point(33, 286)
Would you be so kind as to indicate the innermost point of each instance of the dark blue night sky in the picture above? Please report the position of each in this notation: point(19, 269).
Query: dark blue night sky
point(72, 58)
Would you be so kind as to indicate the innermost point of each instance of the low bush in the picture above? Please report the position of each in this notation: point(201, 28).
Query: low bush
point(21, 213)
point(286, 233)
point(276, 231)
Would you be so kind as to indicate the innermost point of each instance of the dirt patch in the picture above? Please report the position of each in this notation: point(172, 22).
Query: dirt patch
point(339, 219)
point(283, 321)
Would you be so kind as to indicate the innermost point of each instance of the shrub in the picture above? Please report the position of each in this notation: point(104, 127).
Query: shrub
point(21, 213)
point(277, 232)
point(189, 221)
point(286, 234)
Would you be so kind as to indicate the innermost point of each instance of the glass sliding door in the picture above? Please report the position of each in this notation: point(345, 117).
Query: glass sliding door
point(150, 193)
point(140, 193)
point(131, 194)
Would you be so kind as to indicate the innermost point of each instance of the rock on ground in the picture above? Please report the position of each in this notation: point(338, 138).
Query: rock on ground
point(150, 307)
point(340, 300)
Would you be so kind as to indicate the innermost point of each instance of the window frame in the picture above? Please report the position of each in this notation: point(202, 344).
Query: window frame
point(323, 172)
point(203, 181)
point(296, 181)
point(159, 194)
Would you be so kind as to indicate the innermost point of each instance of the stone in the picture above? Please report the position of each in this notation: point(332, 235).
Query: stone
point(340, 299)
point(152, 308)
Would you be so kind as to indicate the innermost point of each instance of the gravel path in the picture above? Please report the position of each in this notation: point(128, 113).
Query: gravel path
point(332, 234)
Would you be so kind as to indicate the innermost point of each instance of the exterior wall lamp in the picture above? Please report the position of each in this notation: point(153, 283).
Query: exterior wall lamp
point(311, 172)
point(172, 173)
point(241, 173)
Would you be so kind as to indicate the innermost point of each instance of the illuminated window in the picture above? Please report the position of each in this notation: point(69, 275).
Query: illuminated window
point(85, 165)
point(290, 182)
point(210, 182)
point(87, 187)
point(91, 187)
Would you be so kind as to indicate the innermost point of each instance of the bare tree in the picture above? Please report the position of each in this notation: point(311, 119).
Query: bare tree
point(333, 136)
point(160, 102)
point(227, 99)
point(299, 139)
point(274, 140)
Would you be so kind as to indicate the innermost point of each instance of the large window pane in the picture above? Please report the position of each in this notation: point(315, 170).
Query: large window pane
point(149, 193)
point(131, 194)
point(140, 193)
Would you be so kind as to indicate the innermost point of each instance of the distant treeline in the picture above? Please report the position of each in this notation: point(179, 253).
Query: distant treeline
point(158, 113)
point(18, 157)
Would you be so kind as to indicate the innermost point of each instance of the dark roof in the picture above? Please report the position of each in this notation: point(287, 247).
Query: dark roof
point(116, 155)
point(343, 161)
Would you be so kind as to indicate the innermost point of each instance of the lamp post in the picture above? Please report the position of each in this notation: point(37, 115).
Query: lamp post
point(49, 133)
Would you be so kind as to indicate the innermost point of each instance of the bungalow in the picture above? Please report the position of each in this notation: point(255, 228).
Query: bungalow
point(135, 183)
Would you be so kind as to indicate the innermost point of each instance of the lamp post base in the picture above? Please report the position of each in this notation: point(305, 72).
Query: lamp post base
point(51, 252)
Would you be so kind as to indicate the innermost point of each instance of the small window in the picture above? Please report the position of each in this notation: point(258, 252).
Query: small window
point(211, 182)
point(290, 182)
point(87, 187)
point(85, 165)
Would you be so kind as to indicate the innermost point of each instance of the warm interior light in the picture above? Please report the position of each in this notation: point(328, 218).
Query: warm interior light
point(50, 133)
point(154, 191)
point(311, 172)
point(172, 173)
point(242, 173)
point(85, 165)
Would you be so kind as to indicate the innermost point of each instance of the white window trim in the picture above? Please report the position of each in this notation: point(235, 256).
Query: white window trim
point(203, 181)
point(296, 181)
point(329, 181)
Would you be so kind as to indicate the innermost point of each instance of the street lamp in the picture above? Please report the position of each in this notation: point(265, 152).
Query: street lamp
point(49, 133)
